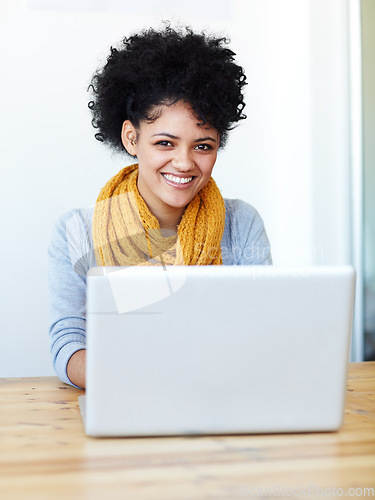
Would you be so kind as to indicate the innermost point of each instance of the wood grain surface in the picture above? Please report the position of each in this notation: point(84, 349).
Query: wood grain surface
point(44, 453)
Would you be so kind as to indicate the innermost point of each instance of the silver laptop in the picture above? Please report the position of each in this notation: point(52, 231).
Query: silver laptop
point(216, 349)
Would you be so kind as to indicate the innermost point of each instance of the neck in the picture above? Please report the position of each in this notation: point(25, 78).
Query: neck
point(170, 219)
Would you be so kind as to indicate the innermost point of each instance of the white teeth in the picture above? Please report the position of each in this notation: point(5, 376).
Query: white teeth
point(177, 180)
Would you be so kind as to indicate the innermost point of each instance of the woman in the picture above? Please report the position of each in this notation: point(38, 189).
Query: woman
point(167, 98)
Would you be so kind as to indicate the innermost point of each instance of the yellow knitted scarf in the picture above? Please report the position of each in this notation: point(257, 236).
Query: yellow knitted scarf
point(125, 233)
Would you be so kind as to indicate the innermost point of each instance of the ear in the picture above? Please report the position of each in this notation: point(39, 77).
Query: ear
point(128, 137)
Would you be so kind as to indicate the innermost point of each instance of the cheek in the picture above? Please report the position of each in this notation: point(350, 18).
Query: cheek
point(207, 165)
point(147, 161)
point(154, 158)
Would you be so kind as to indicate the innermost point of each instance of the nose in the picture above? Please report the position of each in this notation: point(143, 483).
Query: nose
point(182, 160)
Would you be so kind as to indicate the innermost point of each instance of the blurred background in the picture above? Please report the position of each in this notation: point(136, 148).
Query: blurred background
point(305, 156)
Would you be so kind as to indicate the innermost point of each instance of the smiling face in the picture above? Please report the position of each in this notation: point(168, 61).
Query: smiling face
point(176, 156)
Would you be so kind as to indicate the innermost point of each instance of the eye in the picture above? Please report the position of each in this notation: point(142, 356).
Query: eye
point(204, 147)
point(163, 143)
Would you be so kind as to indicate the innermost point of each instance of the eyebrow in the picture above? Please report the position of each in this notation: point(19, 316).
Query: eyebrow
point(201, 139)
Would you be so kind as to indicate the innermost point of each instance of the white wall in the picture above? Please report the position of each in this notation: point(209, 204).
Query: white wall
point(289, 158)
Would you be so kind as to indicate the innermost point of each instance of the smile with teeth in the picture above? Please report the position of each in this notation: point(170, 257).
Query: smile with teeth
point(177, 180)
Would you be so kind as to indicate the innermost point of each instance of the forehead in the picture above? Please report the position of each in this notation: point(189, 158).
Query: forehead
point(177, 116)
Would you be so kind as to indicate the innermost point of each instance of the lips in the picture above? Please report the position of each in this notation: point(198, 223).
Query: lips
point(178, 180)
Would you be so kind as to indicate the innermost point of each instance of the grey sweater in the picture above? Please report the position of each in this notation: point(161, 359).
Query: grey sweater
point(71, 255)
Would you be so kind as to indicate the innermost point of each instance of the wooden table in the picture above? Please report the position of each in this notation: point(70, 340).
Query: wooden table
point(44, 453)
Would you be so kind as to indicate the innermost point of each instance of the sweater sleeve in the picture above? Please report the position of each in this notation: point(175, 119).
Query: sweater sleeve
point(69, 259)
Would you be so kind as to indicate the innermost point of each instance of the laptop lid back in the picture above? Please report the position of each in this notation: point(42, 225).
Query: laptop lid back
point(217, 349)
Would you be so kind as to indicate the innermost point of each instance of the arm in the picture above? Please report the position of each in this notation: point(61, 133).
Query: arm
point(76, 368)
point(69, 260)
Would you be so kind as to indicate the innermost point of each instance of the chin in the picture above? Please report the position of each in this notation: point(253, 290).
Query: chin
point(178, 203)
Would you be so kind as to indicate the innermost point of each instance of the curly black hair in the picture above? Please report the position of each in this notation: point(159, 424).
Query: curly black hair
point(153, 67)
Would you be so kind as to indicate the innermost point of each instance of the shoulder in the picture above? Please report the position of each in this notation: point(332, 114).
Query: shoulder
point(72, 225)
point(239, 207)
point(238, 213)
point(71, 238)
point(74, 218)
point(245, 240)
